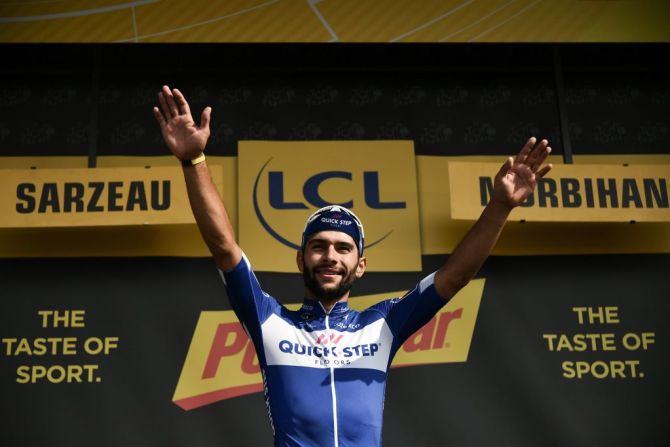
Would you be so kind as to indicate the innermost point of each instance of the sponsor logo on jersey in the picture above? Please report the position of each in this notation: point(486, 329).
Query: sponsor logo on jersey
point(366, 347)
point(364, 350)
point(324, 339)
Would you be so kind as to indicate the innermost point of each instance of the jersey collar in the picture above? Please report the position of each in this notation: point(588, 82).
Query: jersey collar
point(314, 307)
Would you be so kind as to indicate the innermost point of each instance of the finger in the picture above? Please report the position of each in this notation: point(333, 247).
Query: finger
point(540, 158)
point(205, 118)
point(172, 105)
point(164, 106)
point(538, 152)
point(181, 102)
point(525, 150)
point(541, 173)
point(524, 171)
point(159, 117)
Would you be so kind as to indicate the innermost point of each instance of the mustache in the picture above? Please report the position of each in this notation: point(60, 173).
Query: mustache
point(341, 271)
point(347, 280)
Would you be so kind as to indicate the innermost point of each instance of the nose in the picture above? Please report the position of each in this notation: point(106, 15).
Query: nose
point(330, 254)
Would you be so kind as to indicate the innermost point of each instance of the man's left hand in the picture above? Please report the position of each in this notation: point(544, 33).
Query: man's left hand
point(518, 176)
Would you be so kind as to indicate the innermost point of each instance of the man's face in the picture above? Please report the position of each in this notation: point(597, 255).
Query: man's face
point(330, 264)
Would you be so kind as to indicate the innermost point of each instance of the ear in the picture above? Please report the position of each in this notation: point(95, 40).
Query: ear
point(361, 266)
point(300, 261)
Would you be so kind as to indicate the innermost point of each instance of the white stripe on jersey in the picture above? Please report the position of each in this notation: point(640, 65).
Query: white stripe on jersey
point(367, 348)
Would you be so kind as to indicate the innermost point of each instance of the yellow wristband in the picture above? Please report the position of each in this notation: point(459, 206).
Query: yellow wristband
point(195, 161)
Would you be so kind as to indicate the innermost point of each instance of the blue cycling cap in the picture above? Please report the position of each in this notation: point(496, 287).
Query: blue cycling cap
point(334, 218)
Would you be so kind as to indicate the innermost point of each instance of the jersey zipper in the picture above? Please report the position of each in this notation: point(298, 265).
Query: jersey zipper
point(332, 382)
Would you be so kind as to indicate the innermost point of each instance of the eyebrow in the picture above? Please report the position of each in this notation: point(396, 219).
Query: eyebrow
point(317, 240)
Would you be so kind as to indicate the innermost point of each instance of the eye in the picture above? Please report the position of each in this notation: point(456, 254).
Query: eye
point(317, 246)
point(344, 248)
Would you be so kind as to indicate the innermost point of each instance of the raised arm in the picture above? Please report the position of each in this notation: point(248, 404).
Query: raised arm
point(515, 181)
point(187, 141)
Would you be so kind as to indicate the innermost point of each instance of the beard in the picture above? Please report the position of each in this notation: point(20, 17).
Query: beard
point(322, 293)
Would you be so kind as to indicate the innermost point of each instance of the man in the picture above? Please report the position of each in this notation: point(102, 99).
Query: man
point(324, 366)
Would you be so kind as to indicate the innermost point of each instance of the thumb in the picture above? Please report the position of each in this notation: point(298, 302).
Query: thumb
point(205, 118)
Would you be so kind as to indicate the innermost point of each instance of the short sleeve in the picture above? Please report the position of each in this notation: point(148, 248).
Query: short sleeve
point(251, 304)
point(408, 314)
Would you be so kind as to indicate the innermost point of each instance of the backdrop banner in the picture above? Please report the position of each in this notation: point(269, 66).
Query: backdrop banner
point(281, 183)
point(561, 352)
point(570, 193)
point(95, 197)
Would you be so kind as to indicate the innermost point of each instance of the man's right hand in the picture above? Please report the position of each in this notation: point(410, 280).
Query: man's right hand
point(185, 139)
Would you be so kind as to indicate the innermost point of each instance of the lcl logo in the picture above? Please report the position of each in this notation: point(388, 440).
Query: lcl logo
point(312, 196)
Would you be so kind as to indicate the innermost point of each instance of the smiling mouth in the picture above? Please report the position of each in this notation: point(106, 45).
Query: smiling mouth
point(329, 273)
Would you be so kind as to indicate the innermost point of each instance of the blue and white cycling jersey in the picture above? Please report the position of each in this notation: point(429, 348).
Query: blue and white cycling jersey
point(325, 372)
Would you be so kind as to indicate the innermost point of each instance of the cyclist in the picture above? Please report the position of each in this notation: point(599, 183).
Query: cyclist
point(324, 366)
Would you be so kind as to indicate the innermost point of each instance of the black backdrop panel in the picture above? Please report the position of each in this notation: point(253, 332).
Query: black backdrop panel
point(448, 99)
point(510, 392)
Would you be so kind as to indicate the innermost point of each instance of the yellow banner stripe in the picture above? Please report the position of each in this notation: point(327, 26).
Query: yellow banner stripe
point(335, 20)
point(439, 233)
